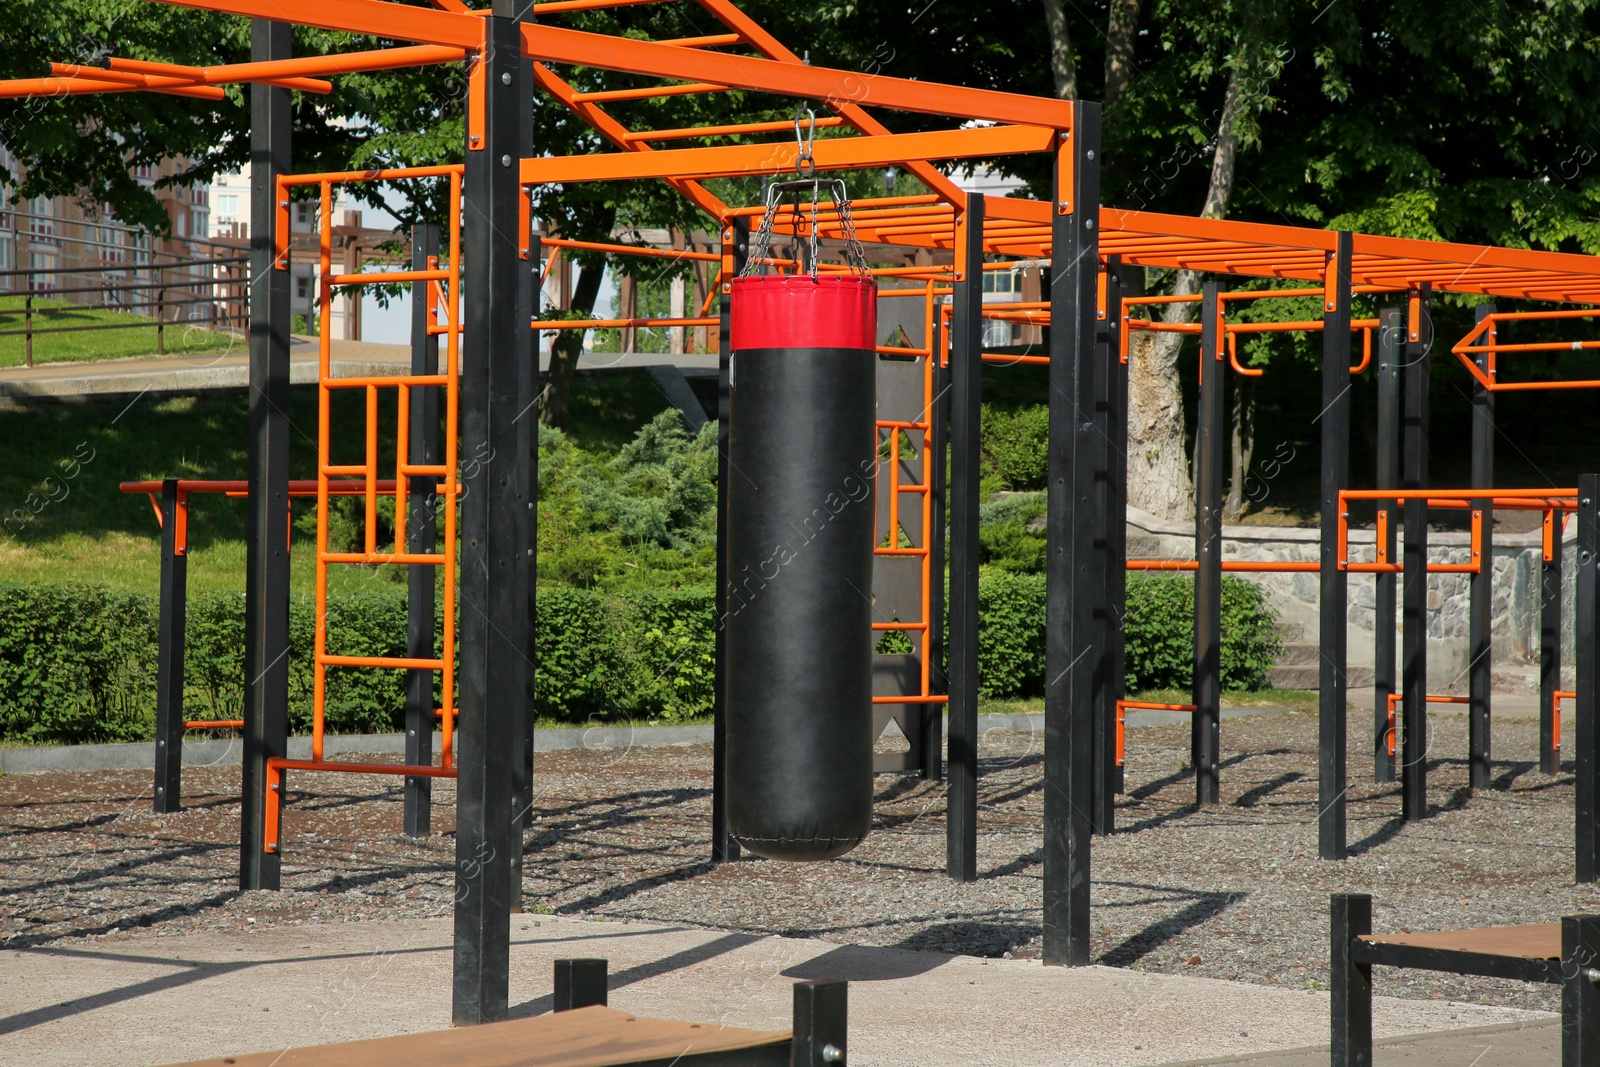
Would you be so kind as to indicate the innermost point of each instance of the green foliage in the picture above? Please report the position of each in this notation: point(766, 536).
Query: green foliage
point(1004, 539)
point(643, 519)
point(1159, 633)
point(1016, 444)
point(1010, 634)
point(78, 664)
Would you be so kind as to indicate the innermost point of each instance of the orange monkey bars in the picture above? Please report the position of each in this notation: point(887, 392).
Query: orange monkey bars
point(1466, 348)
point(1395, 699)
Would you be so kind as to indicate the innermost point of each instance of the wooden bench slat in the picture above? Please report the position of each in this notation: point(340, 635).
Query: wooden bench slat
point(1541, 941)
point(584, 1037)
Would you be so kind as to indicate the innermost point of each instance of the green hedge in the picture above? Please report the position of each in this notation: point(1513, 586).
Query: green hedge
point(78, 664)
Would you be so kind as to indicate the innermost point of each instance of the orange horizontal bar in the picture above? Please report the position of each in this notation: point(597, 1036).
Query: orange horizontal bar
point(214, 724)
point(722, 131)
point(379, 277)
point(1162, 565)
point(361, 768)
point(558, 325)
point(1003, 357)
point(829, 205)
point(554, 44)
point(900, 551)
point(20, 87)
point(551, 7)
point(649, 92)
point(407, 662)
point(835, 153)
point(931, 698)
point(338, 177)
point(1456, 494)
point(710, 41)
point(390, 21)
point(377, 558)
point(916, 626)
point(1150, 705)
point(409, 380)
point(630, 250)
point(217, 75)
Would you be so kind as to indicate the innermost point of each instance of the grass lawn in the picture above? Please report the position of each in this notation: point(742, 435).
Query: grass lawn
point(62, 518)
point(137, 337)
point(1298, 699)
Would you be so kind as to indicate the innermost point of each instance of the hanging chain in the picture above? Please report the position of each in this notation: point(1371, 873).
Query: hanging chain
point(855, 256)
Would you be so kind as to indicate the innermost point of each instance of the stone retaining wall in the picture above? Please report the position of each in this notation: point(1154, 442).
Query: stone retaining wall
point(1517, 561)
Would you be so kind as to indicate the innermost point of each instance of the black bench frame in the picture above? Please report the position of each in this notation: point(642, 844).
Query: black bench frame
point(1577, 972)
point(821, 1020)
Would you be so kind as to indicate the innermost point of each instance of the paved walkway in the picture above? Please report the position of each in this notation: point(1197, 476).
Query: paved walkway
point(230, 369)
point(135, 1001)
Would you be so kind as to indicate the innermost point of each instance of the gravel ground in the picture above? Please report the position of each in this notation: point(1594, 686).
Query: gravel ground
point(1235, 891)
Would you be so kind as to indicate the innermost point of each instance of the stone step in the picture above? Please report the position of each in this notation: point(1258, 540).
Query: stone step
point(1298, 654)
point(1305, 676)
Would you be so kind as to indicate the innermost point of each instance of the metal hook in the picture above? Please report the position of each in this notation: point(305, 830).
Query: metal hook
point(804, 165)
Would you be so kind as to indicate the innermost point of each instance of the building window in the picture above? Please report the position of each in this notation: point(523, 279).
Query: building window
point(302, 288)
point(228, 206)
point(302, 214)
point(1002, 281)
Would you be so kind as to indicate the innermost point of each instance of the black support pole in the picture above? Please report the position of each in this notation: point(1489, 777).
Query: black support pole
point(169, 650)
point(966, 394)
point(1110, 421)
point(522, 769)
point(1414, 670)
point(1390, 335)
point(1480, 623)
point(934, 471)
point(1580, 994)
point(1550, 647)
point(1074, 648)
point(736, 246)
point(1349, 982)
point(1116, 503)
point(421, 537)
point(266, 609)
point(1334, 586)
point(1210, 432)
point(1586, 809)
point(498, 360)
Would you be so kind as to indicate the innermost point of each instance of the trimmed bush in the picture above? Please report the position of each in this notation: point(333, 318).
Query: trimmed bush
point(78, 664)
point(1015, 444)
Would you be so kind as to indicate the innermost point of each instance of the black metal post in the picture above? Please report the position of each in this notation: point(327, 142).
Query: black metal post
point(1116, 504)
point(169, 650)
point(1109, 543)
point(498, 359)
point(1480, 622)
point(266, 609)
point(1390, 332)
point(1414, 670)
point(821, 1023)
point(1073, 643)
point(736, 246)
point(421, 537)
point(1349, 982)
point(966, 394)
point(934, 470)
point(1580, 995)
point(1334, 585)
point(1585, 737)
point(580, 984)
point(1210, 431)
point(529, 276)
point(1550, 648)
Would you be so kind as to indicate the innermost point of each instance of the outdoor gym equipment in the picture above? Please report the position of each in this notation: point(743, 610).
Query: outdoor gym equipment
point(802, 446)
point(1086, 245)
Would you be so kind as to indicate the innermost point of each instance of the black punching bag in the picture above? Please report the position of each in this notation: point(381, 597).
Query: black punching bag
point(801, 461)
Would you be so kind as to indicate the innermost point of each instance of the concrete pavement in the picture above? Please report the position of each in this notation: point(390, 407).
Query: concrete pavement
point(129, 1001)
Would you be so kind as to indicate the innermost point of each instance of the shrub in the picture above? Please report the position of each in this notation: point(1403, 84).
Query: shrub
point(1016, 444)
point(1159, 633)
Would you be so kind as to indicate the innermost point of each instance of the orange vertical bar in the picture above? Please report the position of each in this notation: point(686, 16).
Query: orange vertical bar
point(319, 683)
point(1477, 541)
point(1549, 534)
point(452, 478)
point(274, 798)
point(1383, 535)
point(371, 464)
point(927, 496)
point(402, 450)
point(894, 487)
point(1344, 533)
point(280, 256)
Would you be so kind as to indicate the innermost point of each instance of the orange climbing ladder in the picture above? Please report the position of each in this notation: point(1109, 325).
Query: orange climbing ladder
point(444, 284)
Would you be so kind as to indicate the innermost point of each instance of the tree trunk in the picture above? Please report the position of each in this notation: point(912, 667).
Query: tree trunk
point(1122, 33)
point(1158, 468)
point(1243, 444)
point(1062, 66)
point(568, 347)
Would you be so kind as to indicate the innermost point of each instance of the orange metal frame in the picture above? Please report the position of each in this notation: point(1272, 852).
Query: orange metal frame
point(1396, 699)
point(1467, 347)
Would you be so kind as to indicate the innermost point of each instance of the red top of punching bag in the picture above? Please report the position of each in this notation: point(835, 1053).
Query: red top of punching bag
point(799, 311)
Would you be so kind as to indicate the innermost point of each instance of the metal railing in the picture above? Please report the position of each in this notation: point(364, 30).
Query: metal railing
point(218, 287)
